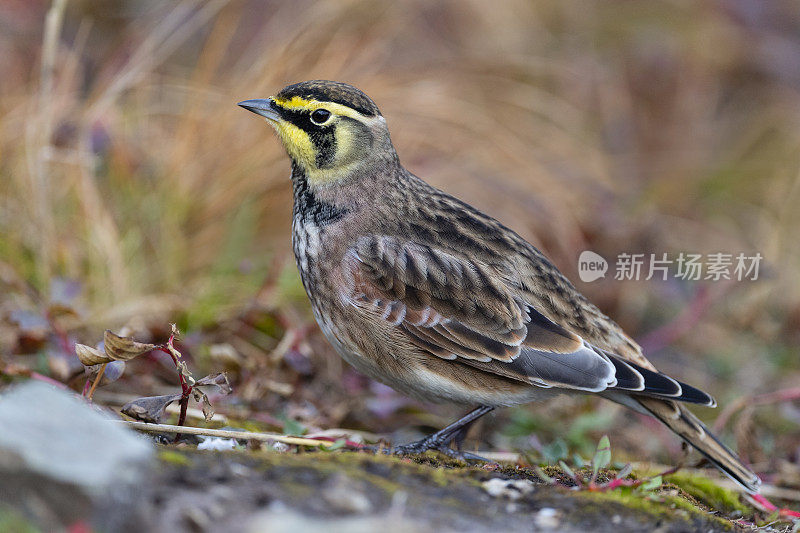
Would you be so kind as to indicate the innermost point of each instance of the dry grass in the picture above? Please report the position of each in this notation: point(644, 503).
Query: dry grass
point(658, 126)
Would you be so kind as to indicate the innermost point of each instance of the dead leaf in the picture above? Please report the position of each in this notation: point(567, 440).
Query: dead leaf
point(183, 369)
point(201, 398)
point(123, 348)
point(116, 348)
point(220, 380)
point(150, 408)
point(90, 356)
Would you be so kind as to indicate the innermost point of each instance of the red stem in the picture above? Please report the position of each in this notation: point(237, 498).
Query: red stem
point(770, 507)
point(186, 389)
point(184, 403)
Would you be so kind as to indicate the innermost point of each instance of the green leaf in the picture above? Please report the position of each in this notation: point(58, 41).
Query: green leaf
point(602, 456)
point(652, 484)
point(334, 446)
point(292, 427)
point(624, 471)
point(567, 470)
point(542, 475)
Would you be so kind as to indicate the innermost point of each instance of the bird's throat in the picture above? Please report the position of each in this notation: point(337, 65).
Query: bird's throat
point(307, 205)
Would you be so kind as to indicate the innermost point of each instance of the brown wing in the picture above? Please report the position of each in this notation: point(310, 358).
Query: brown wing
point(453, 308)
point(456, 309)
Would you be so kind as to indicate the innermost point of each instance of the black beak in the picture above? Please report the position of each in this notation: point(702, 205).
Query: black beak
point(261, 106)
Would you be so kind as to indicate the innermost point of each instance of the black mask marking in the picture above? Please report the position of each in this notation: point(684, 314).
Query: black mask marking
point(323, 137)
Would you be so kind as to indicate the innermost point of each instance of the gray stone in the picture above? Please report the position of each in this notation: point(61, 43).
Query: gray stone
point(60, 456)
point(58, 435)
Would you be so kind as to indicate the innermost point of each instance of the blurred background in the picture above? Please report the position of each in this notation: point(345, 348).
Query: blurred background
point(134, 192)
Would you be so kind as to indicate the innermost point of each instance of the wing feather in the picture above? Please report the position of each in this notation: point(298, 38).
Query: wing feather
point(453, 308)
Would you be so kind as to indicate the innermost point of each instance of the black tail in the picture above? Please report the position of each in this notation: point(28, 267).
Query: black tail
point(641, 381)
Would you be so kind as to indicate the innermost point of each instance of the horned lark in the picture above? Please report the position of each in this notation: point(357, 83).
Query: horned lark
point(425, 293)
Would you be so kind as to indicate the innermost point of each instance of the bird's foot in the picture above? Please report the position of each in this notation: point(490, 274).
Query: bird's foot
point(440, 440)
point(428, 444)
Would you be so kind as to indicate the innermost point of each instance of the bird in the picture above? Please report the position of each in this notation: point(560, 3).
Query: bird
point(429, 295)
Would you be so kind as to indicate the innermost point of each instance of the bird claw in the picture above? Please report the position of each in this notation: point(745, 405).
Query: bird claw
point(461, 455)
point(454, 433)
point(424, 445)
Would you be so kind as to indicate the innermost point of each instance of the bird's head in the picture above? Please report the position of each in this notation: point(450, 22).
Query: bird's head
point(329, 129)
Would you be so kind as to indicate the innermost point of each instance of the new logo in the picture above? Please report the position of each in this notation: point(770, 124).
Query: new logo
point(591, 266)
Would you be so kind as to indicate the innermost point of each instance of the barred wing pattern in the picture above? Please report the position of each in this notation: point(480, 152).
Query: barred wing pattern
point(456, 309)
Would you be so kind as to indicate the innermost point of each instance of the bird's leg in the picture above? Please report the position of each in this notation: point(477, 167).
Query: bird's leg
point(461, 435)
point(439, 441)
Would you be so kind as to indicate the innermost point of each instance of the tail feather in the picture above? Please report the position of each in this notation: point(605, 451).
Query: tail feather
point(648, 382)
point(680, 420)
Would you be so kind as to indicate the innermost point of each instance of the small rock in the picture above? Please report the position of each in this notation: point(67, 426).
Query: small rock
point(547, 518)
point(280, 447)
point(512, 489)
point(216, 443)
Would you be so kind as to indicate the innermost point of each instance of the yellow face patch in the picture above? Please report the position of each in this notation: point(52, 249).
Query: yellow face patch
point(302, 149)
point(297, 143)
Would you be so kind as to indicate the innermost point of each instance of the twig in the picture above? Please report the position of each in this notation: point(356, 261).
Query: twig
point(186, 387)
point(224, 433)
point(500, 457)
point(96, 381)
point(53, 23)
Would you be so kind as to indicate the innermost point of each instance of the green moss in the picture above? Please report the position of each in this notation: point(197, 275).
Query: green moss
point(663, 504)
point(692, 501)
point(457, 486)
point(301, 474)
point(709, 493)
point(174, 457)
point(354, 465)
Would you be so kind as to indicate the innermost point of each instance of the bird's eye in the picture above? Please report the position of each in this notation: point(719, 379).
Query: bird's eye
point(320, 116)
